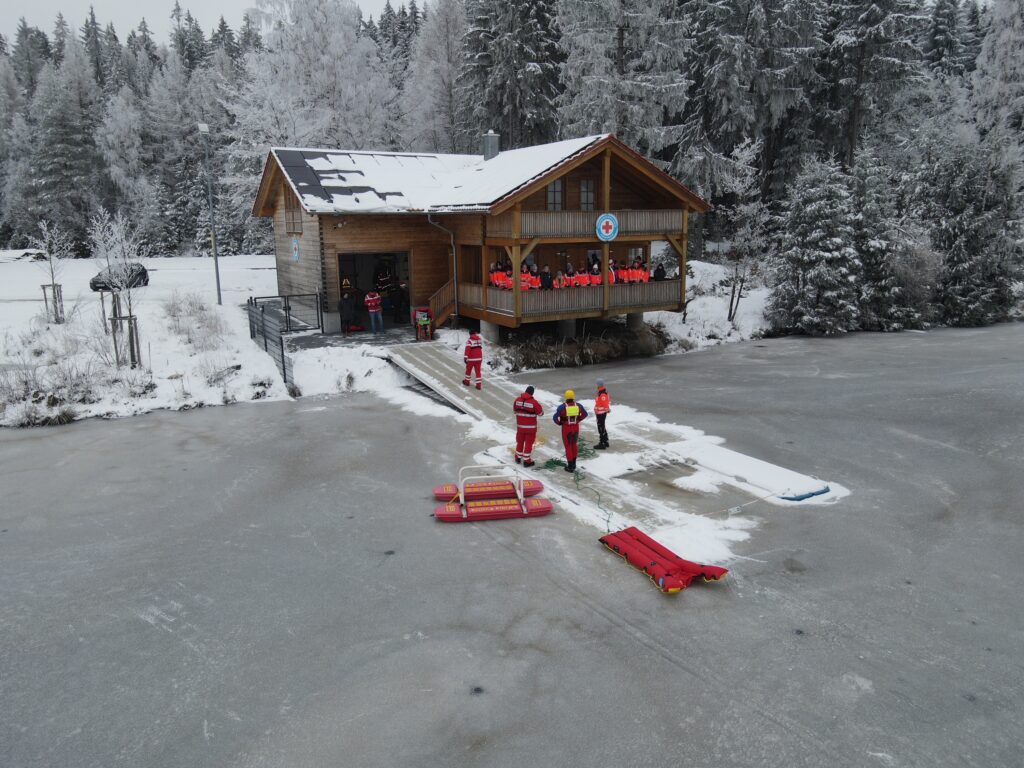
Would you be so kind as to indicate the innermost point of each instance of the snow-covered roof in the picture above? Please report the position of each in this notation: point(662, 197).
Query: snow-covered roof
point(338, 181)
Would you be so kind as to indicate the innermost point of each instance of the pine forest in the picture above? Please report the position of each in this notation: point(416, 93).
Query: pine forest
point(863, 157)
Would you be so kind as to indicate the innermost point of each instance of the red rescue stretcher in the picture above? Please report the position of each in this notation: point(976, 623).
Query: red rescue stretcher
point(491, 509)
point(487, 489)
point(669, 572)
point(489, 492)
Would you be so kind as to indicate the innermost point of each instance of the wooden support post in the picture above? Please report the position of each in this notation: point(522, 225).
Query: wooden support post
point(517, 265)
point(606, 288)
point(517, 261)
point(606, 182)
point(682, 257)
point(485, 274)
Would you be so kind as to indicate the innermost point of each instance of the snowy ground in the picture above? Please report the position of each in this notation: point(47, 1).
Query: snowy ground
point(194, 353)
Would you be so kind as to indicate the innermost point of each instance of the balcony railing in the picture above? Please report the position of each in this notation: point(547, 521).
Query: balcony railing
point(574, 301)
point(583, 223)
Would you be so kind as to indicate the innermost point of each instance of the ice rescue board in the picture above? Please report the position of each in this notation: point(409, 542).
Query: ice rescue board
point(491, 509)
point(497, 488)
point(669, 572)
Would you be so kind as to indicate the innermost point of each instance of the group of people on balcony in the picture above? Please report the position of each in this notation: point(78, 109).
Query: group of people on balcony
point(532, 279)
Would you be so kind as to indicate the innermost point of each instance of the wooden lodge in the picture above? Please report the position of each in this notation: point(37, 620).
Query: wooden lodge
point(439, 222)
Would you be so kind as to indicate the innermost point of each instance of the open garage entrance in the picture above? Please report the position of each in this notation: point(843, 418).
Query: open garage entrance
point(385, 272)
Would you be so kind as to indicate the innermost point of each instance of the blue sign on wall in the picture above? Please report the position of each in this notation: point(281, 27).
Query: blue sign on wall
point(607, 227)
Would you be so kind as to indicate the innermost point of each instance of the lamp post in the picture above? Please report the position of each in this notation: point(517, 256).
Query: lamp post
point(204, 131)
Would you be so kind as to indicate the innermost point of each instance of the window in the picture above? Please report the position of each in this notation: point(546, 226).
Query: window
point(292, 214)
point(555, 195)
point(586, 194)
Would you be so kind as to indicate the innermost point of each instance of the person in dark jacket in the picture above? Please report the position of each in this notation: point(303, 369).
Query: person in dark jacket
point(547, 281)
point(347, 311)
point(659, 272)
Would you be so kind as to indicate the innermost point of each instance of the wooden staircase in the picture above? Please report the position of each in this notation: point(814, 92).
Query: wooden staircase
point(442, 303)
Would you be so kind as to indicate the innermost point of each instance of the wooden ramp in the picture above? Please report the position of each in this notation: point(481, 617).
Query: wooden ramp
point(441, 368)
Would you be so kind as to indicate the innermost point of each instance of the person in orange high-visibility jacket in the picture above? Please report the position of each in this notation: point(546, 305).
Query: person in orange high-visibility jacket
point(527, 411)
point(602, 407)
point(582, 278)
point(622, 275)
point(474, 358)
point(559, 281)
point(568, 417)
point(645, 274)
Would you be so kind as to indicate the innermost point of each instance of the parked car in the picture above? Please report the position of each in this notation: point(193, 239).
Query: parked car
point(118, 277)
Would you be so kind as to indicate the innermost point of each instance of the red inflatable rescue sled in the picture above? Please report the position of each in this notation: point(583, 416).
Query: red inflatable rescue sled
point(491, 509)
point(669, 572)
point(487, 489)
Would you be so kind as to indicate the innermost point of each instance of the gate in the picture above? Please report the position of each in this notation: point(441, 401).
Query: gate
point(294, 312)
point(267, 330)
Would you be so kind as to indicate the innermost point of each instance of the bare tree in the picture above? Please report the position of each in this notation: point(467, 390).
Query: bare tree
point(118, 245)
point(57, 245)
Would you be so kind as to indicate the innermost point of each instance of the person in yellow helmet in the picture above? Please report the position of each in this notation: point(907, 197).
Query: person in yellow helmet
point(568, 416)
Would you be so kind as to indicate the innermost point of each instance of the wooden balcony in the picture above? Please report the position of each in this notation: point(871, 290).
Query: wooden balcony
point(582, 224)
point(567, 303)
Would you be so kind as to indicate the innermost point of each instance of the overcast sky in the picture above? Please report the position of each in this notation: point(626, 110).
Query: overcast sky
point(126, 14)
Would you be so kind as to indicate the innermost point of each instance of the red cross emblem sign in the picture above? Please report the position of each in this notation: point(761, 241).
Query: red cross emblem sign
point(607, 227)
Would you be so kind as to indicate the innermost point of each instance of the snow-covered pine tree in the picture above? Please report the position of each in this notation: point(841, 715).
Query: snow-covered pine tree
point(172, 153)
point(783, 85)
point(969, 194)
point(93, 44)
point(431, 97)
point(511, 78)
point(61, 32)
point(112, 59)
point(999, 77)
point(4, 49)
point(870, 56)
point(816, 277)
point(942, 47)
point(10, 104)
point(971, 33)
point(719, 112)
point(877, 240)
point(31, 51)
point(67, 182)
point(249, 37)
point(190, 43)
point(624, 71)
point(223, 38)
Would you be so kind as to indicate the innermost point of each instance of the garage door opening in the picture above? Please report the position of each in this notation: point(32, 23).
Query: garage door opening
point(385, 272)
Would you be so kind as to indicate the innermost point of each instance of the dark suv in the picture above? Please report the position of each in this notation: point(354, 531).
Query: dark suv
point(120, 276)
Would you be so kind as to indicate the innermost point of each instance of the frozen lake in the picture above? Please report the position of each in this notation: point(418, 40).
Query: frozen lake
point(262, 584)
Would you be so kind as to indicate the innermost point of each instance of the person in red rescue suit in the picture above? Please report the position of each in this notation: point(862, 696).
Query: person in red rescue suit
point(474, 357)
point(602, 407)
point(568, 417)
point(527, 411)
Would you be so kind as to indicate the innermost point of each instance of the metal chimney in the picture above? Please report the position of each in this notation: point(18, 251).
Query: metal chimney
point(491, 144)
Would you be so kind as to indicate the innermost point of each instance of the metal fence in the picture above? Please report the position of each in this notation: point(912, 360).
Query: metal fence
point(267, 330)
point(294, 312)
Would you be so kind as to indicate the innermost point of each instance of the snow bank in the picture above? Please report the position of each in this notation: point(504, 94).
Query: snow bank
point(194, 353)
point(706, 322)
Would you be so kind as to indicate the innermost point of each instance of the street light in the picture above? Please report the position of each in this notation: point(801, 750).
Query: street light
point(204, 131)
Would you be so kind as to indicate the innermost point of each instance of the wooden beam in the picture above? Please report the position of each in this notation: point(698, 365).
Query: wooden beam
point(606, 181)
point(604, 275)
point(685, 252)
point(529, 248)
point(485, 275)
point(508, 252)
point(517, 262)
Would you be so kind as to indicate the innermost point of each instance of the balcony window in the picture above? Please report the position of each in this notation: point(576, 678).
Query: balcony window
point(292, 214)
point(555, 195)
point(586, 194)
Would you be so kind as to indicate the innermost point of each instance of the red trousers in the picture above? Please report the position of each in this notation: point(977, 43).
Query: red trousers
point(473, 366)
point(524, 442)
point(571, 439)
